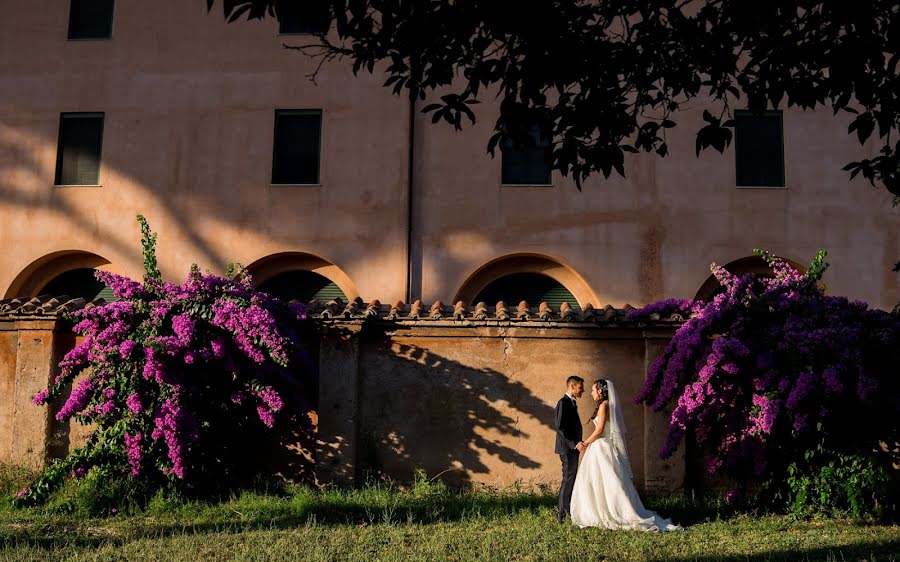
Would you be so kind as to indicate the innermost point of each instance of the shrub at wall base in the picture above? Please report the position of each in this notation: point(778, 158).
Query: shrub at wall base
point(178, 380)
point(786, 387)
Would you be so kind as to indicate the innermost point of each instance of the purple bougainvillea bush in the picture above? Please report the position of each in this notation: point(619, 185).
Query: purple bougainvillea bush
point(172, 377)
point(777, 382)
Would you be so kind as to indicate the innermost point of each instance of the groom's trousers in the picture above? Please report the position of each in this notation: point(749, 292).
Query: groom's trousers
point(569, 470)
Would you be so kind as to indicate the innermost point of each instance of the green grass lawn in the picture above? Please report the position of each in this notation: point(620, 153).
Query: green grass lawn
point(425, 522)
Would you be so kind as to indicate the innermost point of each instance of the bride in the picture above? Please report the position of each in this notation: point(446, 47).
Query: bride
point(604, 495)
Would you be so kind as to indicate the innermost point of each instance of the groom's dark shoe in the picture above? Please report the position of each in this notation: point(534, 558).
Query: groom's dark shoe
point(561, 517)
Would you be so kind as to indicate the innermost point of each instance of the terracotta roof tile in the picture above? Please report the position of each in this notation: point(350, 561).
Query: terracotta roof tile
point(337, 310)
point(45, 305)
point(481, 312)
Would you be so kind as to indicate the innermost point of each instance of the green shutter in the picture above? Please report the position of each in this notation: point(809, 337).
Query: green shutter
point(304, 286)
point(309, 16)
point(534, 288)
point(90, 19)
point(759, 151)
point(295, 155)
point(527, 164)
point(79, 148)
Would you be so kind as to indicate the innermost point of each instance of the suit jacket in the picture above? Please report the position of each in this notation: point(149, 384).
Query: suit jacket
point(568, 426)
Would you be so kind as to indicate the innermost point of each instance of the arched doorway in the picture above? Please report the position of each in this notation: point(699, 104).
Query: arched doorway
point(76, 283)
point(69, 272)
point(305, 286)
point(534, 288)
point(751, 264)
point(531, 277)
point(300, 276)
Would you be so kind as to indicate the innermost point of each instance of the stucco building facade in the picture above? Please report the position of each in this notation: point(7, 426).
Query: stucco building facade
point(399, 209)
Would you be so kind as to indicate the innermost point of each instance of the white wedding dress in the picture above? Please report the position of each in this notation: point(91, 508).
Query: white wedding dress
point(604, 494)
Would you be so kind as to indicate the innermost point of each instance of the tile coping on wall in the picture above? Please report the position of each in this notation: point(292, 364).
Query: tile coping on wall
point(49, 306)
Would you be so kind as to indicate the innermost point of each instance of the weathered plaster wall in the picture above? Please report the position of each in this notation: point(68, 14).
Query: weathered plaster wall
point(189, 106)
point(467, 402)
point(475, 404)
point(190, 101)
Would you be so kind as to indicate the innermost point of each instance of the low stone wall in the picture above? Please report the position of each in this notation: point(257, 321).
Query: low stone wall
point(474, 402)
point(468, 400)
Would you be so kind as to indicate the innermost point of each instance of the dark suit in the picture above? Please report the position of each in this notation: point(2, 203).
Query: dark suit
point(568, 435)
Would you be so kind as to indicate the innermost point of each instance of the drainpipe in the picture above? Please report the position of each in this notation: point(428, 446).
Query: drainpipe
point(409, 196)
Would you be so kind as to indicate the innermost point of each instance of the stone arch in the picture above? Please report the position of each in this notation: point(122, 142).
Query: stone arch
point(268, 268)
point(741, 266)
point(526, 263)
point(39, 273)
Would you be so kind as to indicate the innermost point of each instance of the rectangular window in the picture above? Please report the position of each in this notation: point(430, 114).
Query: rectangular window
point(295, 157)
point(528, 164)
point(90, 19)
point(759, 149)
point(79, 147)
point(309, 16)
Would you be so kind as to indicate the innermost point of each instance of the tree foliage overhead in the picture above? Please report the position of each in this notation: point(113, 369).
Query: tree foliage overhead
point(606, 78)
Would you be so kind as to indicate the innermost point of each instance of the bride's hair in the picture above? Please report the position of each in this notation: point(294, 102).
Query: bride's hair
point(604, 394)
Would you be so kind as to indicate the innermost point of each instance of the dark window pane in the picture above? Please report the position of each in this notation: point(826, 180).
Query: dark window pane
point(529, 163)
point(758, 148)
point(534, 288)
point(306, 16)
point(78, 151)
point(305, 286)
point(296, 154)
point(90, 19)
point(78, 283)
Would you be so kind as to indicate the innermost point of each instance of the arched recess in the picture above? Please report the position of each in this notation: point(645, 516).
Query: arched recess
point(278, 271)
point(499, 268)
point(55, 270)
point(742, 266)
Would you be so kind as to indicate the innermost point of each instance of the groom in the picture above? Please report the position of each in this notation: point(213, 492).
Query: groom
point(568, 441)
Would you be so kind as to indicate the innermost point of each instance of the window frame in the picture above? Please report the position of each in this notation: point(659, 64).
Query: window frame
point(57, 176)
point(112, 22)
point(737, 176)
point(281, 30)
point(548, 183)
point(318, 179)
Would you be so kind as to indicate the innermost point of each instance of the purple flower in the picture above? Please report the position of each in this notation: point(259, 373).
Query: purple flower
point(126, 348)
point(266, 415)
point(78, 400)
point(133, 402)
point(208, 335)
point(183, 327)
point(770, 361)
point(802, 389)
point(135, 454)
point(271, 398)
point(218, 348)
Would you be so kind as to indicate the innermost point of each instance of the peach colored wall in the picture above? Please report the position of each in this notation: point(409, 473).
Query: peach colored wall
point(187, 141)
point(189, 103)
point(479, 403)
point(465, 401)
point(654, 234)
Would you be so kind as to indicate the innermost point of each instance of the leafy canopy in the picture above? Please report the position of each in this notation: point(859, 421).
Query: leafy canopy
point(607, 78)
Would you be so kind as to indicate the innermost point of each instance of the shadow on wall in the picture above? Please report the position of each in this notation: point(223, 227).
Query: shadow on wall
point(423, 411)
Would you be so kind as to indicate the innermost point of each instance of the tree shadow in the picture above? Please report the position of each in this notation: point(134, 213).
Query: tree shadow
point(423, 411)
